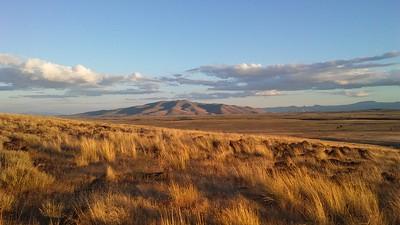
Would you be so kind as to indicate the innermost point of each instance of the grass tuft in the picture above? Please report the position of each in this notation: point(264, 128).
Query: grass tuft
point(17, 172)
point(239, 213)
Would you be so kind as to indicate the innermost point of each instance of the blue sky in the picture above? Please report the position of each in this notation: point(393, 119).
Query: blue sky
point(227, 43)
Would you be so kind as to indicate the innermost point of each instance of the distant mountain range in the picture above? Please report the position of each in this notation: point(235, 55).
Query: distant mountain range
point(359, 106)
point(184, 107)
point(172, 108)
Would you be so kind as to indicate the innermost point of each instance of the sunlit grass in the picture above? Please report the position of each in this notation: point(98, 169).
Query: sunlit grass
point(95, 173)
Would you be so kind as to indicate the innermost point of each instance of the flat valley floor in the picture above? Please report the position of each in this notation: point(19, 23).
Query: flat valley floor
point(372, 127)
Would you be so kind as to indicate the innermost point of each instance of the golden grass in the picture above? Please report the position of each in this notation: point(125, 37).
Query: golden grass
point(6, 201)
point(92, 150)
point(116, 208)
point(120, 174)
point(184, 195)
point(17, 172)
point(52, 209)
point(180, 217)
point(109, 209)
point(110, 174)
point(240, 212)
point(317, 198)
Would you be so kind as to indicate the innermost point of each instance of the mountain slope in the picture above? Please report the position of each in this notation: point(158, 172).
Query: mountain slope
point(179, 107)
point(359, 106)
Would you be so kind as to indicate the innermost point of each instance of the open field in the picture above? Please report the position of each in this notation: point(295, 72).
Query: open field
point(59, 171)
point(374, 127)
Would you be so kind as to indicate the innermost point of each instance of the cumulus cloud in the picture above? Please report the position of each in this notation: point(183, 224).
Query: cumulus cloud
point(219, 81)
point(6, 59)
point(335, 74)
point(19, 74)
point(40, 73)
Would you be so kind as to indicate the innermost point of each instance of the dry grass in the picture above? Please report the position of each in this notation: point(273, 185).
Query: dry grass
point(6, 201)
point(92, 150)
point(52, 209)
point(239, 213)
point(73, 172)
point(17, 172)
point(180, 217)
point(322, 200)
point(110, 174)
point(116, 208)
point(357, 127)
point(184, 195)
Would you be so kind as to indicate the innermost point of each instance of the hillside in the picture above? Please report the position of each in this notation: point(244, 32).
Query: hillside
point(58, 171)
point(172, 108)
point(188, 108)
point(359, 106)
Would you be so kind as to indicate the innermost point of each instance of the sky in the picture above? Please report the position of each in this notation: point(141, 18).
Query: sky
point(74, 56)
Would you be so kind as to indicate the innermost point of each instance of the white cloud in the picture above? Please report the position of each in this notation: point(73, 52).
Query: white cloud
point(6, 59)
point(135, 76)
point(268, 93)
point(220, 81)
point(35, 73)
point(335, 74)
point(37, 69)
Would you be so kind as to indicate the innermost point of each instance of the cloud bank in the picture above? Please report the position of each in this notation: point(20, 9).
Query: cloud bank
point(19, 74)
point(218, 81)
point(271, 80)
point(349, 93)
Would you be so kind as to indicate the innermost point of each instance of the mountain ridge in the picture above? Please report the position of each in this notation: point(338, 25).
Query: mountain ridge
point(358, 106)
point(174, 108)
point(188, 108)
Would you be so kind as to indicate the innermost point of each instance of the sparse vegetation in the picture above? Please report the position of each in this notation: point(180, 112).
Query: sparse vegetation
point(58, 171)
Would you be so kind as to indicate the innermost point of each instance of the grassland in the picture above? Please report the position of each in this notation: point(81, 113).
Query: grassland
point(60, 171)
point(355, 127)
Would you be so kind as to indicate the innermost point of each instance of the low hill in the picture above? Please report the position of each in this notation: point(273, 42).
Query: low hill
point(359, 106)
point(172, 108)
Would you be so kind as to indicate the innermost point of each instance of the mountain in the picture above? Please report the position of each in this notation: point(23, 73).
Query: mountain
point(179, 107)
point(359, 106)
